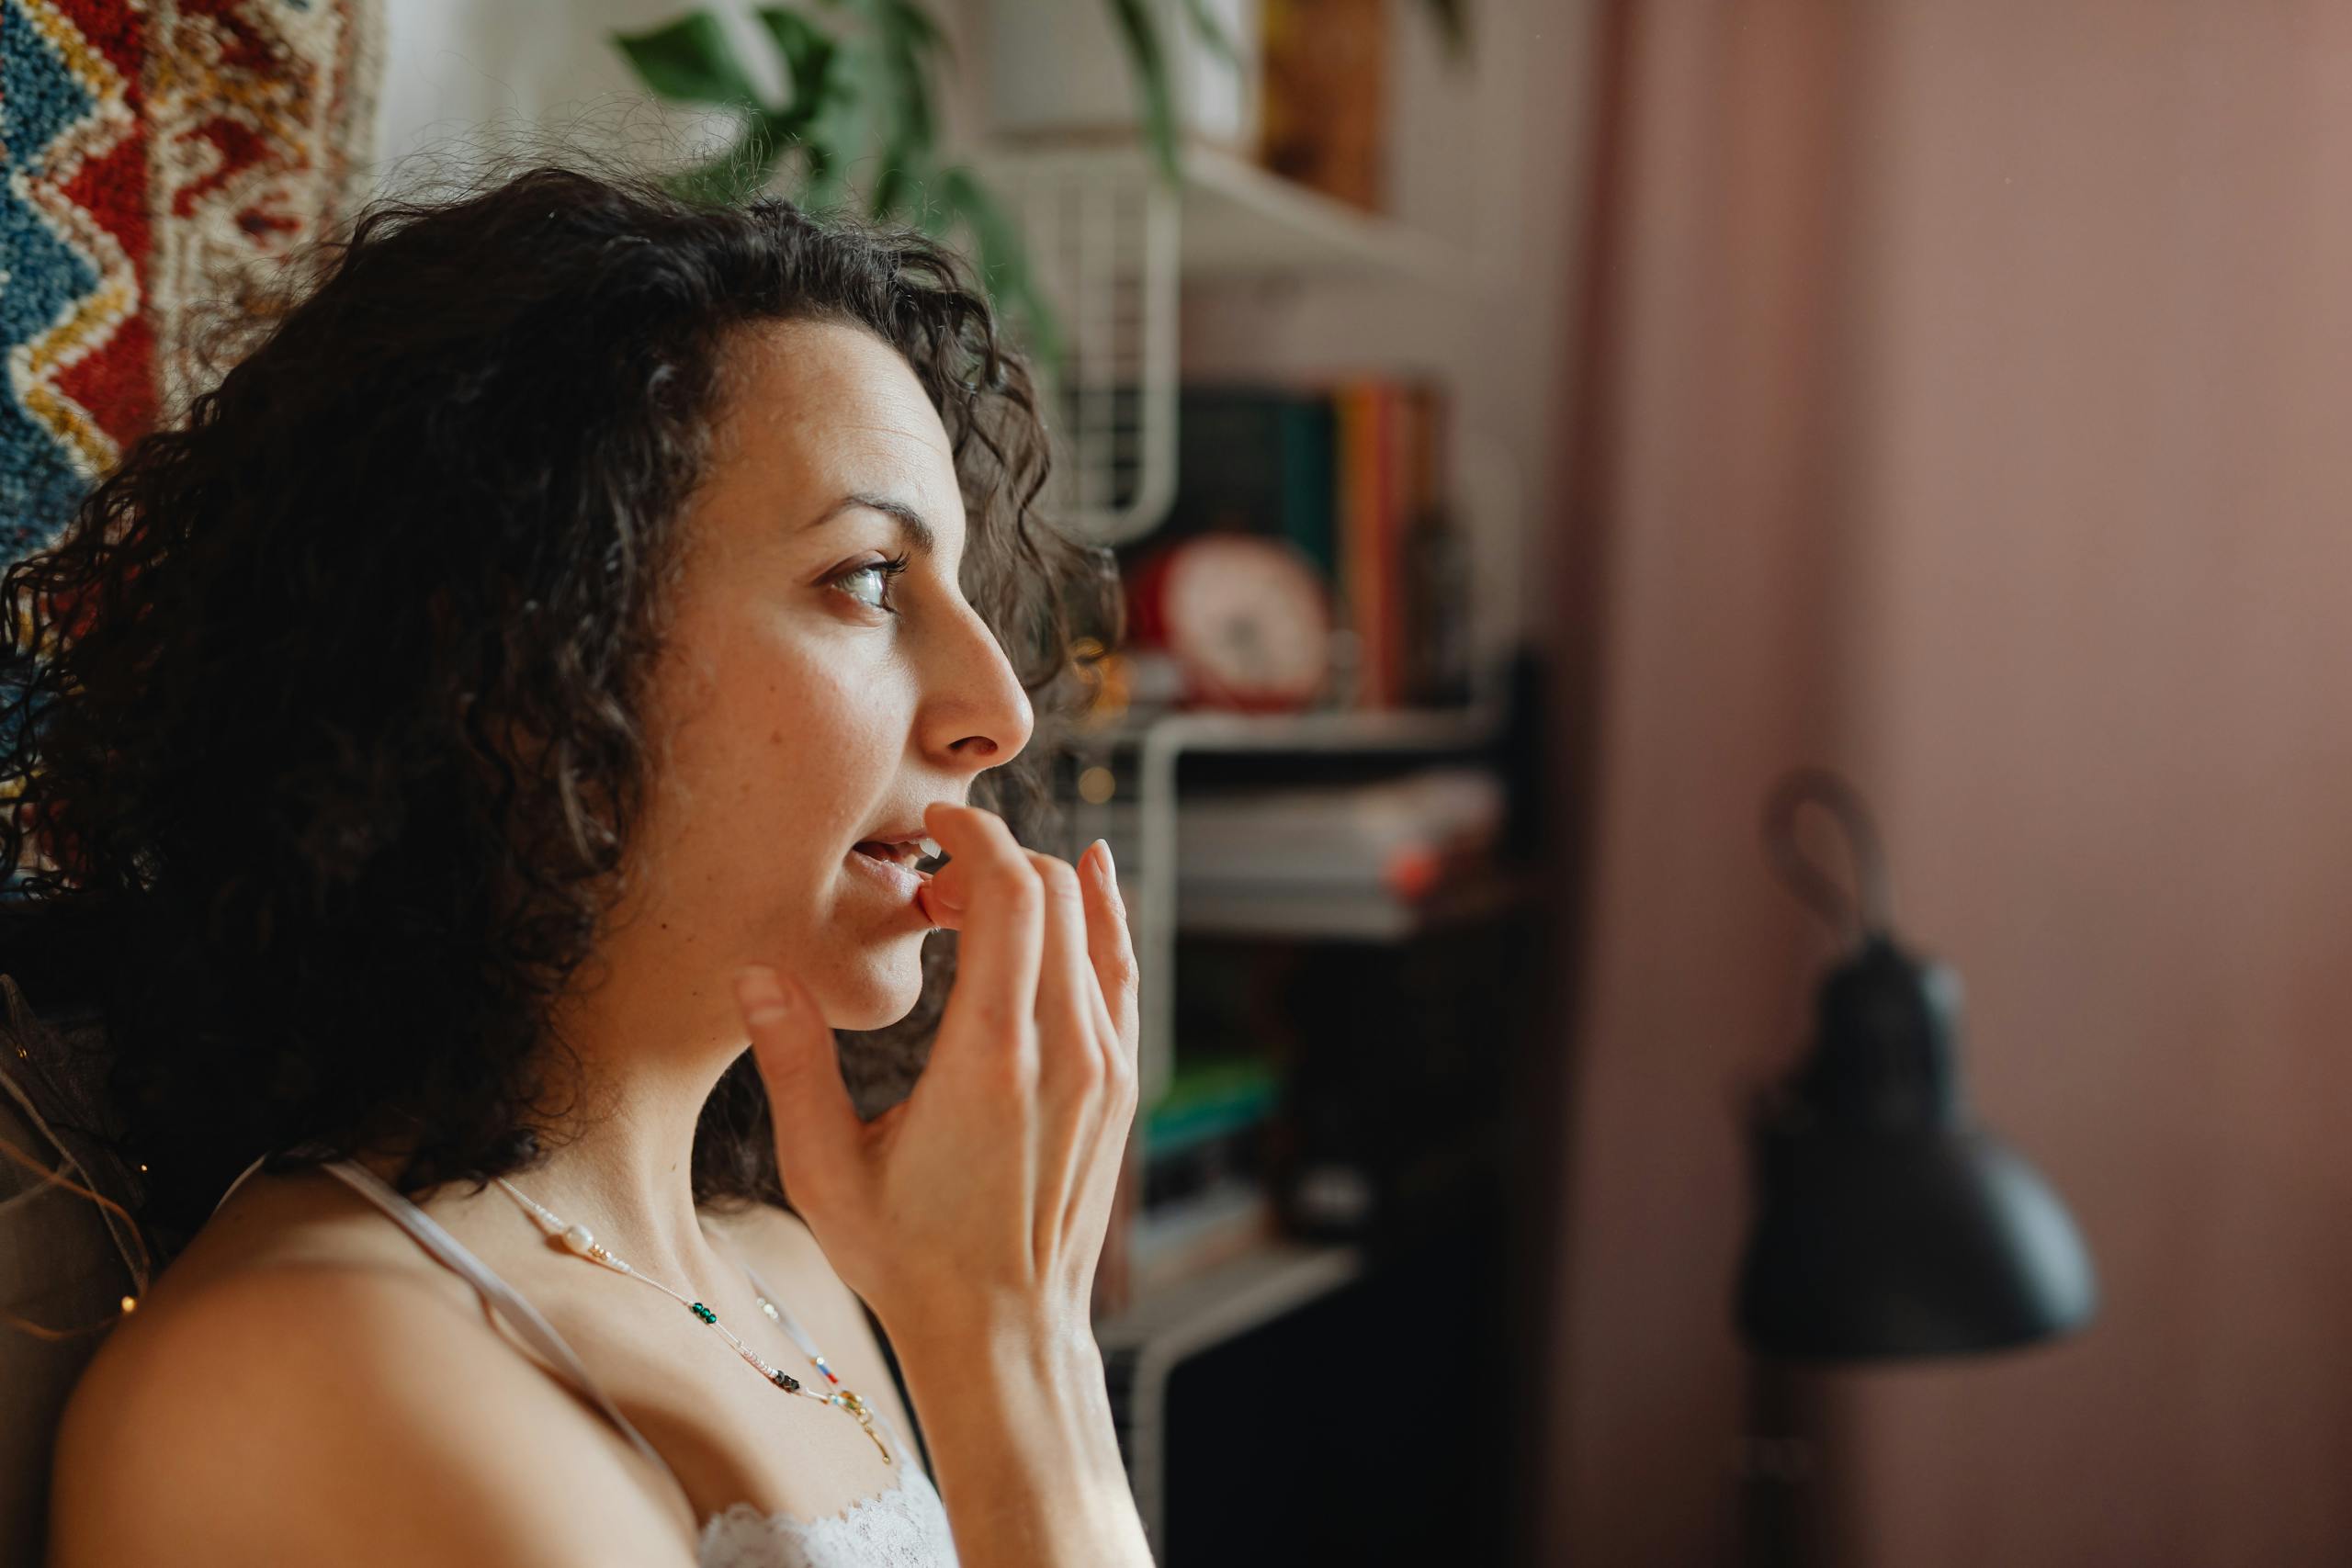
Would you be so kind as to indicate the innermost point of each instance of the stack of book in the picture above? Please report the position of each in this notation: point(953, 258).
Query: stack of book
point(1205, 1192)
point(1368, 860)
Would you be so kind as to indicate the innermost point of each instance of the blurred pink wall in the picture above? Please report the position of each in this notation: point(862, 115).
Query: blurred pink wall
point(1960, 399)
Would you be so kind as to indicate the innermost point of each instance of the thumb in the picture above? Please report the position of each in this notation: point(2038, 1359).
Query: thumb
point(817, 1127)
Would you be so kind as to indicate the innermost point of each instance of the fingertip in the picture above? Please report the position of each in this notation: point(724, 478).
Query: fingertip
point(761, 993)
point(941, 890)
point(936, 908)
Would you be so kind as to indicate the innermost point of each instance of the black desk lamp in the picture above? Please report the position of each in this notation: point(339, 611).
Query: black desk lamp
point(1888, 1223)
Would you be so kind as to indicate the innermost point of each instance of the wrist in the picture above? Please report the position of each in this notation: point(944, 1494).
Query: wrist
point(1013, 1339)
point(1042, 1375)
point(1017, 1415)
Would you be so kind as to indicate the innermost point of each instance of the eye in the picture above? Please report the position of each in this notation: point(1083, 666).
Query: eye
point(875, 576)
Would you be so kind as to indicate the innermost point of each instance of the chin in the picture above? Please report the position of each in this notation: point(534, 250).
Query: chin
point(879, 986)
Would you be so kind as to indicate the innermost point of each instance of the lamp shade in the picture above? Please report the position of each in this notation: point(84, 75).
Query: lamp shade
point(1888, 1223)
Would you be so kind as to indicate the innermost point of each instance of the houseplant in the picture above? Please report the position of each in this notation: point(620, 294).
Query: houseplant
point(862, 92)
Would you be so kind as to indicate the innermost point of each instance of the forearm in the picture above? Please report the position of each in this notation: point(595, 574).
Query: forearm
point(1021, 1440)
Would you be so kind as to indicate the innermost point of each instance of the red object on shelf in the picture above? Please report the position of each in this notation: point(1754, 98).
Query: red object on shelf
point(1411, 873)
point(1245, 616)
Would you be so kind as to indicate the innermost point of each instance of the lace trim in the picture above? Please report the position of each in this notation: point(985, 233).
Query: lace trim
point(902, 1526)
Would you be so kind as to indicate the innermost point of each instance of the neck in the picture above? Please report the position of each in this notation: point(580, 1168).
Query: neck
point(625, 1167)
point(629, 1179)
point(621, 1162)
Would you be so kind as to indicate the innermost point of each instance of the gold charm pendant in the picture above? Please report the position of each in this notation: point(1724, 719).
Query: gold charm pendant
point(857, 1407)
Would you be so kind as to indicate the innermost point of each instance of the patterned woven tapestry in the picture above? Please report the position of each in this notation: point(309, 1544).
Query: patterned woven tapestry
point(151, 148)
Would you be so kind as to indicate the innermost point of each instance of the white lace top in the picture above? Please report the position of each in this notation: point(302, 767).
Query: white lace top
point(902, 1526)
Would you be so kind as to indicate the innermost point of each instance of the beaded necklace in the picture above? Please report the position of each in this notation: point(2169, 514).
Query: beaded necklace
point(577, 1239)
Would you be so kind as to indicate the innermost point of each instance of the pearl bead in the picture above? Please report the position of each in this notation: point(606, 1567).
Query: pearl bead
point(579, 1240)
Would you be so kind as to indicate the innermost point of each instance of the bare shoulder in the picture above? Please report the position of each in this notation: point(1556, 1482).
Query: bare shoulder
point(311, 1412)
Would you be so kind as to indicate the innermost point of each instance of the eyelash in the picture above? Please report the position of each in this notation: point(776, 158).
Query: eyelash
point(889, 567)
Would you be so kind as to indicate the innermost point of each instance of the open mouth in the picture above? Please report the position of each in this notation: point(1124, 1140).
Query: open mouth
point(907, 854)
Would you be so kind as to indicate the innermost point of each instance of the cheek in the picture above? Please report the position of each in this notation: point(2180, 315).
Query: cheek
point(799, 759)
point(785, 745)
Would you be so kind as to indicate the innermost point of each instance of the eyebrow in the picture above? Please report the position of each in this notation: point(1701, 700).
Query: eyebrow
point(912, 524)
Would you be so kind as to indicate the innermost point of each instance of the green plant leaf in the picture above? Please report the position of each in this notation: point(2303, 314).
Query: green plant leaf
point(842, 137)
point(891, 188)
point(1140, 34)
point(997, 243)
point(902, 52)
point(810, 55)
point(1004, 259)
point(911, 21)
point(821, 184)
point(742, 170)
point(689, 61)
point(892, 50)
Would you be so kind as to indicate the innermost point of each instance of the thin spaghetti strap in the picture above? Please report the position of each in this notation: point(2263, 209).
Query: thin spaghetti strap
point(502, 1297)
point(239, 1182)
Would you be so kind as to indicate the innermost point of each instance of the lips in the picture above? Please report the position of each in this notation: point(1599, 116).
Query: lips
point(902, 853)
point(888, 867)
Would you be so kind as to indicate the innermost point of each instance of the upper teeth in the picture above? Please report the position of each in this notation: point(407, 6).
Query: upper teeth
point(906, 849)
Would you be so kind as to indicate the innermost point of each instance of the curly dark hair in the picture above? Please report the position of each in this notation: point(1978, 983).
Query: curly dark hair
point(327, 722)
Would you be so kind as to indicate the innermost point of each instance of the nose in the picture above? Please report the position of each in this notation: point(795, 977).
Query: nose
point(977, 716)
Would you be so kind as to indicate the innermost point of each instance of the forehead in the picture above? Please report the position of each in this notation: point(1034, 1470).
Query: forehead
point(817, 410)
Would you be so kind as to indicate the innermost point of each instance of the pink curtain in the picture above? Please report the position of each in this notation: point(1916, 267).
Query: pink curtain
point(1961, 401)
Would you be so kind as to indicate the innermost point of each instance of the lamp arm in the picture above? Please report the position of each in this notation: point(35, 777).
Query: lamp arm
point(1868, 911)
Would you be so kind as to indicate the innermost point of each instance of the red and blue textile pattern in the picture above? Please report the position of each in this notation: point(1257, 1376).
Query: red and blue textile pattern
point(149, 149)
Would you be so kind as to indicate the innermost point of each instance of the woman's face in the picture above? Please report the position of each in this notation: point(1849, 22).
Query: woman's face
point(811, 698)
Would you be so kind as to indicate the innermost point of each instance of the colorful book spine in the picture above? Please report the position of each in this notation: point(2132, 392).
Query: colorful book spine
point(1362, 499)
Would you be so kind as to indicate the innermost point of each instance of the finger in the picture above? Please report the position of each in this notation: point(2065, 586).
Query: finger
point(1106, 1029)
point(1069, 1017)
point(817, 1126)
point(1111, 946)
point(944, 892)
point(991, 1008)
point(1110, 951)
point(1096, 1184)
point(1071, 1065)
point(944, 909)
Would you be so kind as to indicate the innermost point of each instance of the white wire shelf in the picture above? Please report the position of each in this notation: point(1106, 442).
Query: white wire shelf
point(1272, 910)
point(1213, 1303)
point(1236, 219)
point(1364, 730)
point(1243, 221)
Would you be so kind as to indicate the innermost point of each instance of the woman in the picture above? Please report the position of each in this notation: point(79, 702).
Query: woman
point(524, 683)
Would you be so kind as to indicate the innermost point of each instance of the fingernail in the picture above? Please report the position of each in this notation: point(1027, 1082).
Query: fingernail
point(944, 894)
point(1110, 869)
point(757, 992)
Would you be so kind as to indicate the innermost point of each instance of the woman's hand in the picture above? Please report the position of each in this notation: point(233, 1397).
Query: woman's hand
point(978, 1205)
